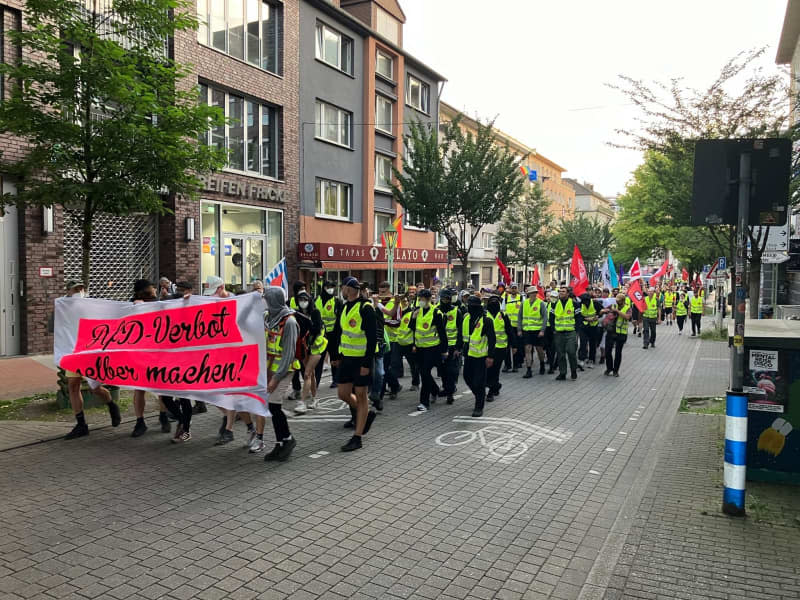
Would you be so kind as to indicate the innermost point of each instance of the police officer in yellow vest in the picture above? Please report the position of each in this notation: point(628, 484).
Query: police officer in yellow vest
point(531, 324)
point(650, 318)
point(352, 347)
point(477, 333)
point(503, 333)
point(565, 338)
point(452, 317)
point(430, 346)
point(512, 304)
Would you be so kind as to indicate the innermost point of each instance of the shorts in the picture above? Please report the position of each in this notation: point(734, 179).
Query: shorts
point(667, 311)
point(532, 338)
point(350, 372)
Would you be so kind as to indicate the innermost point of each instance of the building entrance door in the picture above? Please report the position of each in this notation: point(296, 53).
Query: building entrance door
point(243, 261)
point(9, 280)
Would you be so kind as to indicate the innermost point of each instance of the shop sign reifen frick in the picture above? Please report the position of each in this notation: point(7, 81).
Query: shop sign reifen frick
point(313, 252)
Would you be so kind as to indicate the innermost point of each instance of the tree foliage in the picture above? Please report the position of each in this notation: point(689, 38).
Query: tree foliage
point(454, 182)
point(593, 237)
point(744, 101)
point(110, 122)
point(523, 237)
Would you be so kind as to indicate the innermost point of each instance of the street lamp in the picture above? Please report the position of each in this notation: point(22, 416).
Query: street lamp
point(390, 237)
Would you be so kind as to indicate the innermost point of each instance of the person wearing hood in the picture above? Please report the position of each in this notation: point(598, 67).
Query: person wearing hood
point(452, 318)
point(317, 347)
point(589, 331)
point(352, 347)
point(512, 304)
point(477, 333)
point(329, 306)
point(430, 345)
point(503, 333)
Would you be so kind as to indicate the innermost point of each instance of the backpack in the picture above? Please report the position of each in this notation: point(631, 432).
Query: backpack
point(303, 332)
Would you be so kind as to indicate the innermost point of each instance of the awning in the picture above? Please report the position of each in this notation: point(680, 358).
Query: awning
point(364, 266)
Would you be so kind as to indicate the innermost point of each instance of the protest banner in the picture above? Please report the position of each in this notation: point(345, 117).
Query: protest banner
point(202, 348)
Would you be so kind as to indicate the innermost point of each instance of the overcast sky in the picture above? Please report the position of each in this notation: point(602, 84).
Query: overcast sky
point(540, 66)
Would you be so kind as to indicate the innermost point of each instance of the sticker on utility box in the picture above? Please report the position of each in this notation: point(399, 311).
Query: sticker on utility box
point(764, 360)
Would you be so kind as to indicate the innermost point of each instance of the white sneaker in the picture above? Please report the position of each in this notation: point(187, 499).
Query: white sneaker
point(256, 446)
point(300, 408)
point(313, 403)
point(293, 395)
point(251, 435)
point(422, 408)
point(589, 364)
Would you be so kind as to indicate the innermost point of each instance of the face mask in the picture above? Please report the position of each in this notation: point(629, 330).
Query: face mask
point(445, 300)
point(82, 294)
point(494, 308)
point(329, 291)
point(475, 310)
point(303, 304)
point(423, 304)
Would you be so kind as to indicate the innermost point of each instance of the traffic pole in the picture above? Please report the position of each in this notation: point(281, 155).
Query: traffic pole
point(734, 467)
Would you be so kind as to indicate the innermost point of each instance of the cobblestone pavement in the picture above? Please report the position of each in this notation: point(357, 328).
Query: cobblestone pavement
point(517, 504)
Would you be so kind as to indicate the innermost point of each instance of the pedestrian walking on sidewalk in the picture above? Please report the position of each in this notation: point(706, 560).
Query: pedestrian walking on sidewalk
point(566, 342)
point(503, 332)
point(617, 333)
point(650, 318)
point(681, 310)
point(430, 346)
point(697, 313)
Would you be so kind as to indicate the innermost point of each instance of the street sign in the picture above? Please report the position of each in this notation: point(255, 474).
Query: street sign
point(774, 258)
point(722, 263)
point(777, 238)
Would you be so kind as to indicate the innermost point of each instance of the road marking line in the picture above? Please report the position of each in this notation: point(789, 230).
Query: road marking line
point(633, 419)
point(611, 449)
point(555, 435)
point(416, 413)
point(593, 472)
point(623, 433)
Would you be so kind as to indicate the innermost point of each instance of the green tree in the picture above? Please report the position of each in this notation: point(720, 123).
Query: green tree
point(111, 121)
point(455, 182)
point(594, 239)
point(744, 101)
point(524, 234)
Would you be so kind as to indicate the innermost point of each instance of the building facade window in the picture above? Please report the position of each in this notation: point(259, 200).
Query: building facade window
point(240, 243)
point(418, 94)
point(334, 49)
point(333, 124)
point(384, 65)
point(250, 30)
point(388, 26)
point(412, 222)
point(441, 240)
point(333, 199)
point(252, 135)
point(383, 173)
point(382, 221)
point(487, 240)
point(383, 114)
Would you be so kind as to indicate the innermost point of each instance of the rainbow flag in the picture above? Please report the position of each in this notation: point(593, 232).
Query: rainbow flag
point(525, 170)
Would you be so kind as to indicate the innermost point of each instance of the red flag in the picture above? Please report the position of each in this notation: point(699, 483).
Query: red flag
point(684, 274)
point(579, 281)
point(635, 271)
point(537, 283)
point(503, 270)
point(636, 295)
point(662, 270)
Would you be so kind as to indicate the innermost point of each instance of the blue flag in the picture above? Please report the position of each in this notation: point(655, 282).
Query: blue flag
point(612, 271)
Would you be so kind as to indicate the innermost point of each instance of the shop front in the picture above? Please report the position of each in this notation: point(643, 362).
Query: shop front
point(319, 261)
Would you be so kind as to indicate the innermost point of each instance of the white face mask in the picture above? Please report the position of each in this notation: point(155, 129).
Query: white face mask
point(329, 291)
point(82, 294)
point(423, 304)
point(303, 304)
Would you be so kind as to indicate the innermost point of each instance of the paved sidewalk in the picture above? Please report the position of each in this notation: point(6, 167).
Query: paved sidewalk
point(517, 504)
point(25, 376)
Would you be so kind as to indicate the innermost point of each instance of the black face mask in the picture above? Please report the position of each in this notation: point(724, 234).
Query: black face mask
point(475, 311)
point(494, 308)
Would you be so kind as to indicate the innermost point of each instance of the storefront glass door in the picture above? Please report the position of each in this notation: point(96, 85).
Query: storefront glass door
point(243, 261)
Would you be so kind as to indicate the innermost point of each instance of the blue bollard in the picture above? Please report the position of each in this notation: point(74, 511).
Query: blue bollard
point(734, 469)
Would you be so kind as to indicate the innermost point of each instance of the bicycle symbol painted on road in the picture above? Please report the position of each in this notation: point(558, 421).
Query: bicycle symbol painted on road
point(505, 439)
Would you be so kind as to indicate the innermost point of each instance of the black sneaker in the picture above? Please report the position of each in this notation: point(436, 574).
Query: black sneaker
point(286, 449)
point(226, 437)
point(490, 398)
point(477, 413)
point(393, 393)
point(652, 345)
point(164, 420)
point(450, 399)
point(515, 370)
point(551, 371)
point(222, 427)
point(116, 417)
point(541, 369)
point(505, 370)
point(616, 373)
point(561, 377)
point(353, 444)
point(607, 373)
point(370, 418)
point(378, 404)
point(574, 376)
point(79, 430)
point(199, 407)
point(139, 428)
point(273, 454)
point(528, 374)
point(349, 424)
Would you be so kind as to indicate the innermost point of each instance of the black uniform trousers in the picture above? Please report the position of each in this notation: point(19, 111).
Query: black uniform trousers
point(475, 378)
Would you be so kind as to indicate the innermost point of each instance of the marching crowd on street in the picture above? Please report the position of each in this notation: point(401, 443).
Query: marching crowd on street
point(370, 337)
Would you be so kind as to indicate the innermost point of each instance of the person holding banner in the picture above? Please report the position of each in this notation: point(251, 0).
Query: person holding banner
point(74, 381)
point(282, 332)
point(650, 318)
point(352, 348)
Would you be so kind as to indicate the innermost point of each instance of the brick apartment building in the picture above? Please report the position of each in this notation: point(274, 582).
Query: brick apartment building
point(257, 60)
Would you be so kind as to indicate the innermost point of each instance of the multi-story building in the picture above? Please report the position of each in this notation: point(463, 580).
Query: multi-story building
point(483, 270)
point(245, 60)
point(359, 92)
point(591, 203)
